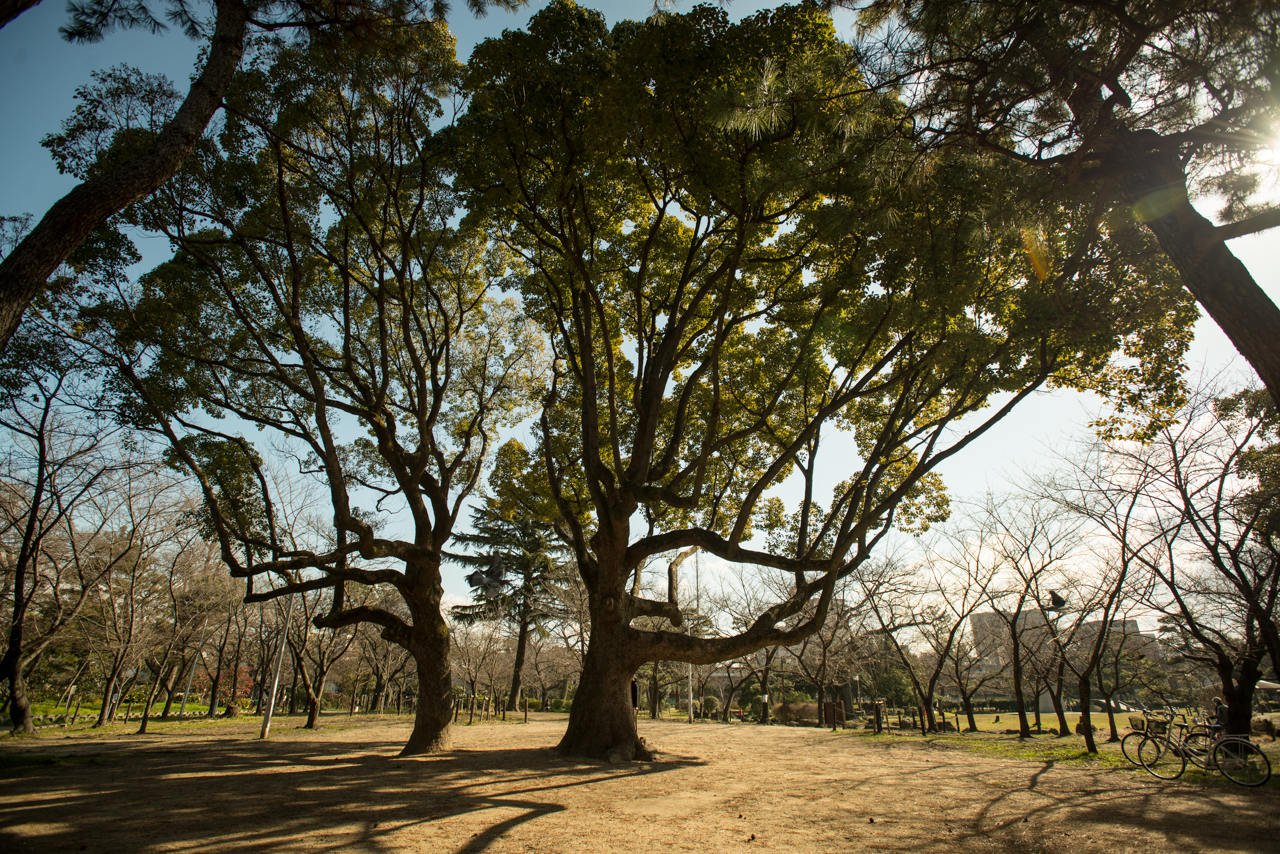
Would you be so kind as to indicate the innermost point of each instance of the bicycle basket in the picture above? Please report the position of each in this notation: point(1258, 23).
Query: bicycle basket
point(1157, 727)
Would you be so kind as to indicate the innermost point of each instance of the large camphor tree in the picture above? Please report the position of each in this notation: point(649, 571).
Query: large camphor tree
point(321, 293)
point(738, 266)
point(1146, 104)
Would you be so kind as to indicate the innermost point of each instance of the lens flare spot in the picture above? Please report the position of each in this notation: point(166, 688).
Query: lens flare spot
point(1037, 253)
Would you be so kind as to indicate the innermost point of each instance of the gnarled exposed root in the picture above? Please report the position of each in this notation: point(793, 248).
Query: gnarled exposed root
point(633, 750)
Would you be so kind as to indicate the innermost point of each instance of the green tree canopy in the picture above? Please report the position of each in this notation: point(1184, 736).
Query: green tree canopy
point(322, 293)
point(161, 149)
point(1146, 104)
point(729, 253)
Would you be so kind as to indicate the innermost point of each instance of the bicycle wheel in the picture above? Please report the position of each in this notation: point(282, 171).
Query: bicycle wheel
point(1198, 748)
point(1241, 761)
point(1129, 746)
point(1161, 760)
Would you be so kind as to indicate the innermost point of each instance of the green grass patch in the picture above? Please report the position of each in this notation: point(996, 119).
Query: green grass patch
point(1041, 748)
point(1070, 752)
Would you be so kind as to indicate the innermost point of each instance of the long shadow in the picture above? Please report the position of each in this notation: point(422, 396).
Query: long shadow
point(1011, 803)
point(254, 796)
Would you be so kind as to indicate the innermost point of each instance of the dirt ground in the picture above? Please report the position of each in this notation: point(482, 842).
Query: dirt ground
point(717, 788)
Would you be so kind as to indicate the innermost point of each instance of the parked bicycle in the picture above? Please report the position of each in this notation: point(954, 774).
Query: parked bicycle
point(1168, 744)
point(1137, 732)
point(1155, 723)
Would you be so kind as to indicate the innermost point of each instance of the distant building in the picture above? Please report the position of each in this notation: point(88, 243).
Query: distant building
point(1125, 635)
point(993, 648)
point(992, 639)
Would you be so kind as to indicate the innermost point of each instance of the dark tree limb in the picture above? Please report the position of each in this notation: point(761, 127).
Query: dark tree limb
point(1215, 277)
point(653, 608)
point(1252, 225)
point(10, 9)
point(74, 217)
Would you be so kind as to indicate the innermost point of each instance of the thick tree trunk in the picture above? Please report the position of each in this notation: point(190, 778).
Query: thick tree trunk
point(152, 692)
point(1238, 694)
point(1055, 697)
point(1086, 714)
point(1216, 278)
point(433, 712)
point(1024, 727)
point(213, 690)
point(929, 723)
point(170, 688)
point(110, 688)
point(970, 720)
point(601, 724)
point(517, 667)
point(74, 217)
point(19, 702)
point(313, 711)
point(11, 666)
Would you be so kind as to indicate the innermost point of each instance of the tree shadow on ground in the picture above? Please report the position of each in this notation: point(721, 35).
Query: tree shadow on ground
point(260, 796)
point(1012, 806)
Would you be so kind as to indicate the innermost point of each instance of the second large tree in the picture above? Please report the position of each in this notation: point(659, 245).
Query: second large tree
point(717, 243)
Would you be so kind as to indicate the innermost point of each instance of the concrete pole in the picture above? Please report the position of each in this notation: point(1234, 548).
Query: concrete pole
point(275, 677)
point(690, 693)
point(697, 611)
point(191, 671)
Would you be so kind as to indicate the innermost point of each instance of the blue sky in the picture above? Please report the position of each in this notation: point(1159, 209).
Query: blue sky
point(39, 73)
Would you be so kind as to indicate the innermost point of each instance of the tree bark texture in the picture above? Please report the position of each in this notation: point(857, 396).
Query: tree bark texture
point(601, 722)
point(1221, 284)
point(1086, 715)
point(433, 713)
point(20, 703)
point(11, 666)
point(517, 668)
point(313, 711)
point(1238, 694)
point(1024, 727)
point(1059, 711)
point(1105, 696)
point(10, 9)
point(74, 217)
point(215, 685)
point(967, 702)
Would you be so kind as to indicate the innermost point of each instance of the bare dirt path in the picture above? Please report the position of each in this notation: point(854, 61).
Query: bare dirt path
point(717, 788)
